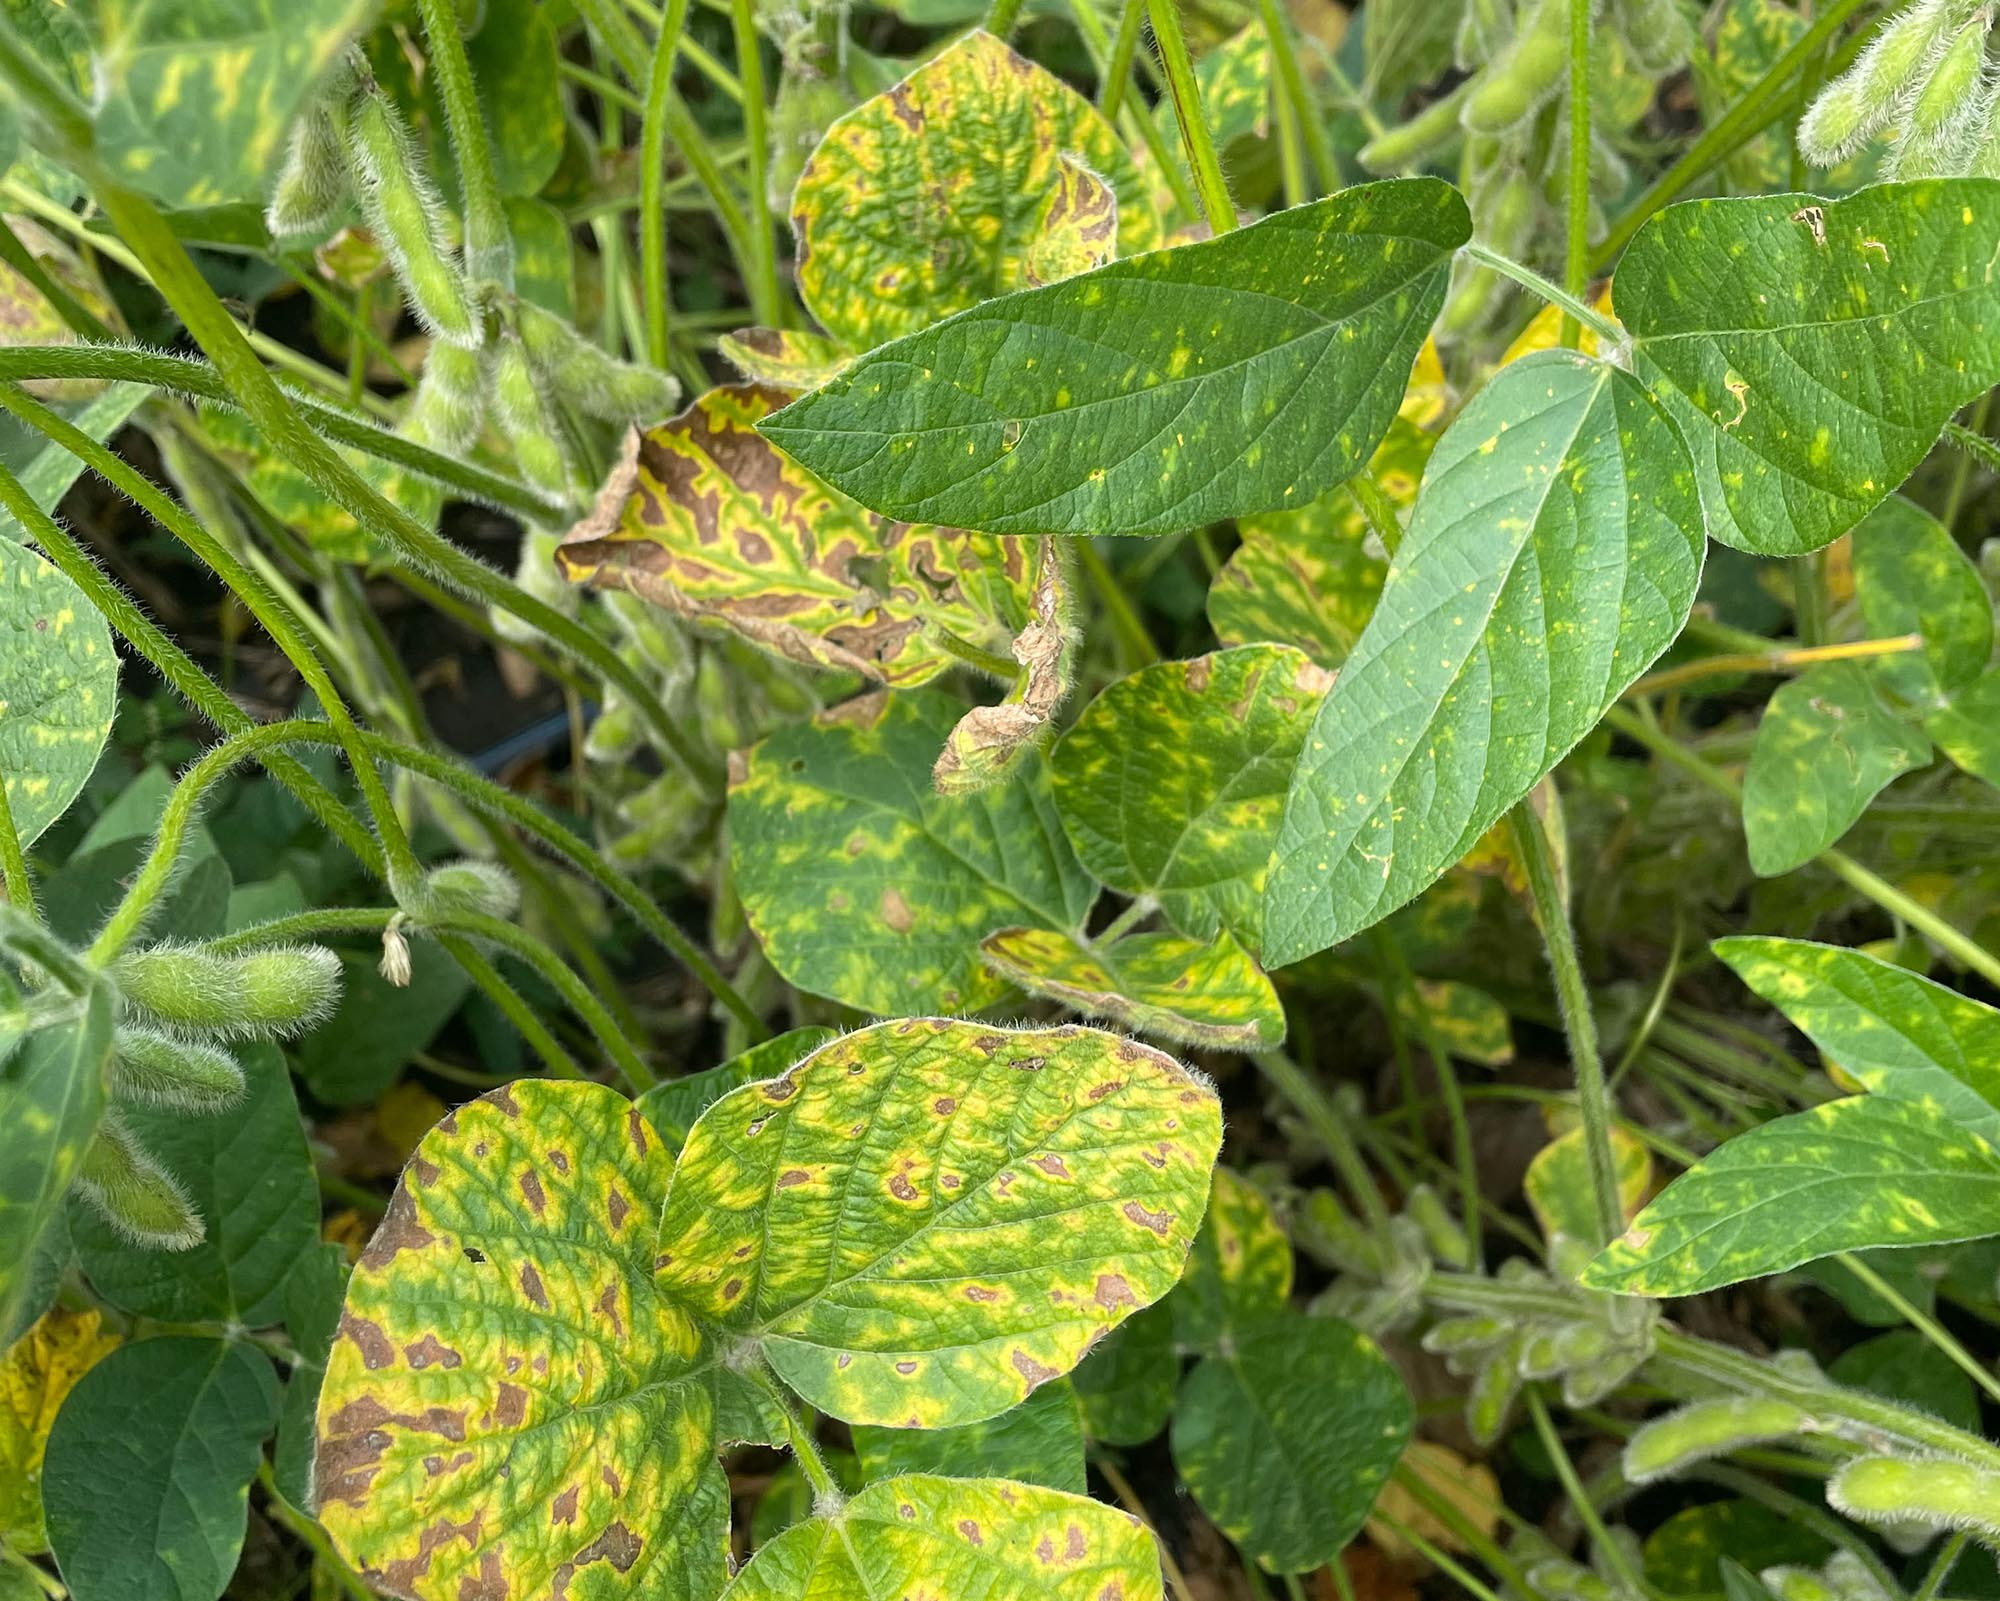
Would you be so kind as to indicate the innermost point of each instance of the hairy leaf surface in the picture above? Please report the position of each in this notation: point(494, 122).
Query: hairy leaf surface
point(1554, 554)
point(58, 689)
point(1242, 374)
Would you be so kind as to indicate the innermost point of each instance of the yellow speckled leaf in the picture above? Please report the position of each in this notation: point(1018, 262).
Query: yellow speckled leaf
point(58, 689)
point(511, 1407)
point(1557, 1183)
point(782, 358)
point(931, 197)
point(1240, 1271)
point(36, 1373)
point(925, 1220)
point(1466, 1020)
point(1204, 994)
point(928, 1539)
point(706, 518)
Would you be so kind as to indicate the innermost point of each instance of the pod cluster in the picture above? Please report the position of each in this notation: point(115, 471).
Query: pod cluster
point(1925, 85)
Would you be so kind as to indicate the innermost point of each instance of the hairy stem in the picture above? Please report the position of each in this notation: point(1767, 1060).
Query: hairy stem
point(1195, 138)
point(1576, 255)
point(1571, 305)
point(489, 243)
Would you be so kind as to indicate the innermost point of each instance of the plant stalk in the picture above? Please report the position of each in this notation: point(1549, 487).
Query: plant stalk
point(1576, 257)
point(1195, 138)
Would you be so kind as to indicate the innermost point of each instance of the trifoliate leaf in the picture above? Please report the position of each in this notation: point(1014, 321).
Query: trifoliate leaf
point(1465, 1020)
point(1558, 1184)
point(673, 1105)
point(782, 358)
point(58, 689)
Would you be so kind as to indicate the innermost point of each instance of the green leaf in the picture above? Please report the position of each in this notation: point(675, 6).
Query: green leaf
point(1887, 1028)
point(879, 1217)
point(708, 520)
point(1234, 78)
point(1240, 1270)
point(507, 1363)
point(931, 197)
point(1911, 578)
point(1203, 372)
point(147, 1480)
point(1845, 1176)
point(377, 1028)
point(865, 885)
point(58, 689)
point(1811, 351)
point(1126, 1385)
point(788, 1497)
point(957, 1537)
point(1285, 1440)
point(1968, 730)
point(514, 68)
point(1826, 747)
point(1171, 784)
point(1558, 1183)
point(250, 1177)
point(673, 1105)
point(1038, 1442)
point(313, 1294)
point(1210, 995)
point(52, 1096)
point(544, 256)
point(1554, 554)
point(1907, 1368)
point(194, 103)
point(1685, 1556)
point(1466, 1020)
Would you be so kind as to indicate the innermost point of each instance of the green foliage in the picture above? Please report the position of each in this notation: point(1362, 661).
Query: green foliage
point(1038, 1442)
point(58, 685)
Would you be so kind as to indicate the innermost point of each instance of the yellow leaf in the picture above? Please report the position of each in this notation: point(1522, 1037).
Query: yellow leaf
point(40, 1369)
point(1468, 1486)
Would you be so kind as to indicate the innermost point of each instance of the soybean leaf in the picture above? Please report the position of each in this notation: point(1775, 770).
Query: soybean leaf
point(957, 1537)
point(1171, 783)
point(932, 196)
point(58, 689)
point(147, 1481)
point(880, 1217)
point(1558, 1182)
point(1554, 554)
point(1234, 78)
point(1211, 995)
point(193, 104)
point(709, 520)
point(1911, 578)
point(1126, 1385)
point(789, 1497)
point(313, 1293)
point(1811, 351)
point(37, 1372)
point(514, 68)
point(1285, 1439)
point(1688, 1556)
point(52, 1096)
point(1826, 747)
point(1237, 375)
point(377, 1028)
point(782, 358)
point(1844, 1176)
point(1906, 1367)
point(865, 885)
point(673, 1105)
point(1892, 1031)
point(505, 1357)
point(1240, 1270)
point(1038, 1442)
point(1968, 730)
point(45, 468)
point(250, 1177)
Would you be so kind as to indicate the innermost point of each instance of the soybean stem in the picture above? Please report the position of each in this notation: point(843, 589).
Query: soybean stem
point(1195, 137)
point(1572, 305)
point(489, 243)
point(1576, 259)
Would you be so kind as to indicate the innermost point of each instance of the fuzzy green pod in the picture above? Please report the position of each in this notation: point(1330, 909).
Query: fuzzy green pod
point(450, 405)
point(151, 1068)
point(524, 417)
point(1706, 1429)
point(1484, 27)
point(1325, 1231)
point(1514, 85)
point(1867, 97)
point(277, 992)
point(135, 1195)
point(1442, 1232)
point(1928, 1494)
point(480, 888)
point(1558, 1579)
point(404, 211)
point(1657, 34)
point(1408, 144)
point(315, 181)
point(1455, 1336)
point(1491, 1398)
point(1949, 115)
point(590, 378)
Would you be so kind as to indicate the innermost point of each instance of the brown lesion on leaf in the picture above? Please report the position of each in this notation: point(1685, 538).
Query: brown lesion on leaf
point(791, 1178)
point(531, 1286)
point(979, 1292)
point(616, 1207)
point(609, 1304)
point(559, 1160)
point(906, 1368)
point(353, 1438)
point(562, 1509)
point(437, 1465)
point(399, 1231)
point(503, 1100)
point(896, 911)
point(1156, 1222)
point(1036, 1373)
point(510, 1406)
point(532, 1192)
point(376, 1348)
point(901, 1187)
point(1114, 1292)
point(617, 1545)
point(944, 1106)
point(401, 1575)
point(1051, 1164)
point(425, 1172)
point(971, 1531)
point(430, 1351)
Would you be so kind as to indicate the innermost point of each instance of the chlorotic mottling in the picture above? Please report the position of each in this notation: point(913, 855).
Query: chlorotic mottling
point(1827, 745)
point(1554, 554)
point(673, 1104)
point(865, 885)
point(1464, 1019)
point(707, 519)
point(788, 359)
point(938, 193)
point(1208, 993)
point(37, 1372)
point(1244, 374)
point(1910, 577)
point(1845, 1176)
point(923, 1538)
point(1171, 782)
point(1558, 1183)
point(1968, 730)
point(1038, 1442)
point(58, 689)
point(1811, 351)
point(880, 1218)
point(1239, 1272)
point(1234, 77)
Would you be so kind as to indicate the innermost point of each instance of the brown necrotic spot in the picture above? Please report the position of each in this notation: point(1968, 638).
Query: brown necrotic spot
point(616, 1207)
point(1074, 1548)
point(400, 1231)
point(1114, 1292)
point(732, 1289)
point(401, 1575)
point(611, 1480)
point(531, 1286)
point(617, 1545)
point(607, 1303)
point(503, 1099)
point(425, 1172)
point(436, 1466)
point(971, 1531)
point(1031, 1370)
point(510, 1406)
point(793, 1176)
point(488, 1584)
point(944, 1106)
point(635, 1130)
point(563, 1509)
point(353, 1439)
point(896, 911)
point(560, 1162)
point(901, 1187)
point(906, 1368)
point(531, 1191)
point(1111, 1086)
point(429, 1351)
point(376, 1350)
point(1050, 1164)
point(1156, 1221)
point(978, 1292)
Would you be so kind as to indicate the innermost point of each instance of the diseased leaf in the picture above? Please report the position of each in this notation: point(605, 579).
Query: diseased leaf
point(989, 743)
point(958, 1537)
point(314, 1292)
point(194, 103)
point(1968, 730)
point(514, 68)
point(782, 358)
point(1243, 374)
point(880, 1217)
point(1209, 995)
point(147, 1480)
point(1126, 1385)
point(1171, 783)
point(1465, 1020)
point(58, 689)
point(1285, 1439)
point(1688, 1556)
point(1889, 1030)
point(1077, 229)
point(707, 519)
point(1844, 1176)
point(865, 885)
point(937, 194)
point(1240, 1270)
point(1826, 747)
point(1811, 351)
point(1554, 554)
point(36, 1375)
point(511, 1398)
point(1469, 1487)
point(1234, 78)
point(1038, 1442)
point(1558, 1183)
point(673, 1105)
point(1911, 578)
